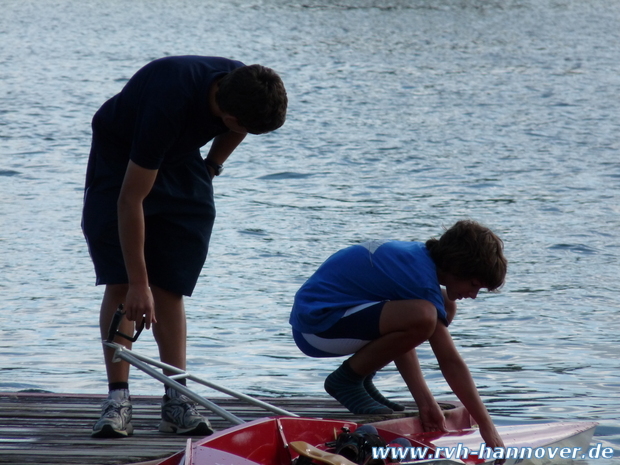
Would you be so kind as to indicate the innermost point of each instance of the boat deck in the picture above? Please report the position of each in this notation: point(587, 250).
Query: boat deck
point(46, 429)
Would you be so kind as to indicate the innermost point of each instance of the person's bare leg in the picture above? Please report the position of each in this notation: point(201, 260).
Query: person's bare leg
point(170, 331)
point(179, 414)
point(116, 412)
point(403, 325)
point(114, 295)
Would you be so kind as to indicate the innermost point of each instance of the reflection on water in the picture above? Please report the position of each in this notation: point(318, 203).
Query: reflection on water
point(404, 117)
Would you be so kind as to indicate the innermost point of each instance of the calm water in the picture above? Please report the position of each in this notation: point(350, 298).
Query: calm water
point(405, 116)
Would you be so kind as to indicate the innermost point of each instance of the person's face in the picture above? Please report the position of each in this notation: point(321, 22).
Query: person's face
point(458, 288)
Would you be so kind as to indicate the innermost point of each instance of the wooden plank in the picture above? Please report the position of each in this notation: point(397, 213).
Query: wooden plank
point(53, 429)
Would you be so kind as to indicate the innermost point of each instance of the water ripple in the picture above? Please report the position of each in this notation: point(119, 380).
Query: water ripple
point(404, 117)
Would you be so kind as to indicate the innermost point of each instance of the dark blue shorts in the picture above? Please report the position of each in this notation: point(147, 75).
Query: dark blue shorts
point(179, 214)
point(174, 255)
point(357, 327)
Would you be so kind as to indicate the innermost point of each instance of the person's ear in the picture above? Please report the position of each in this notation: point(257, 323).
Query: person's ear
point(230, 120)
point(232, 123)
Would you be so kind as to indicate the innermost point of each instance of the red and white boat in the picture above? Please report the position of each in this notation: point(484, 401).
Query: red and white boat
point(285, 440)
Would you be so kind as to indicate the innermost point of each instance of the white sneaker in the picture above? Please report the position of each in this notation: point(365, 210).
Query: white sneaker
point(179, 415)
point(115, 421)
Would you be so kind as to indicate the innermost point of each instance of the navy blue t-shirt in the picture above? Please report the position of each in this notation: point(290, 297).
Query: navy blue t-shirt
point(159, 120)
point(162, 113)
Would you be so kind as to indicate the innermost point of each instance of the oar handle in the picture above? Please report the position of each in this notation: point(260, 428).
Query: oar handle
point(116, 321)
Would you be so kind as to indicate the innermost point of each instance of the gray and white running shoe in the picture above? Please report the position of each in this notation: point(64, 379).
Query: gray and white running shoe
point(179, 415)
point(115, 421)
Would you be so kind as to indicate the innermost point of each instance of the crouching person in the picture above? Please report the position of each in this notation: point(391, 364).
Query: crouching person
point(380, 300)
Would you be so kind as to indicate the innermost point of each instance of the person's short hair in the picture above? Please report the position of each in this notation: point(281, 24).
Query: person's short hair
point(256, 96)
point(469, 250)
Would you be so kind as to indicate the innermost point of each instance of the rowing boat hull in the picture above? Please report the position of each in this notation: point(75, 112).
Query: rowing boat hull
point(267, 441)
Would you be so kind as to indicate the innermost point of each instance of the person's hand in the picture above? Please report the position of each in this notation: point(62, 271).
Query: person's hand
point(432, 418)
point(139, 304)
point(492, 440)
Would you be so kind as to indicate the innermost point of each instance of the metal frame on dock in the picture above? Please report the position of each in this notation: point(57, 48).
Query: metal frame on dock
point(146, 364)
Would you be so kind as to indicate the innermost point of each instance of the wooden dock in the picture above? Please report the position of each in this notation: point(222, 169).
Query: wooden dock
point(46, 429)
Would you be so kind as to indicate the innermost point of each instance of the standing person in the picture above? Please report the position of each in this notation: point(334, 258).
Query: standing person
point(149, 209)
point(380, 300)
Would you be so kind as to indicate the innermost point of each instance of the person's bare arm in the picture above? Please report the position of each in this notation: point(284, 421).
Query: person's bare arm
point(136, 186)
point(431, 416)
point(222, 146)
point(459, 379)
